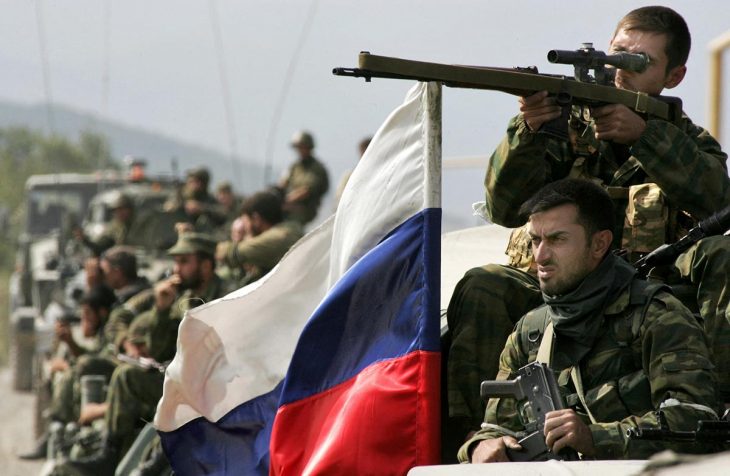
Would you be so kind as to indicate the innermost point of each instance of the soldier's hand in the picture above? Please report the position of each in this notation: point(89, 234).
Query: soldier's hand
point(166, 292)
point(63, 331)
point(91, 412)
point(494, 450)
point(193, 207)
point(57, 364)
point(618, 123)
point(183, 227)
point(565, 429)
point(297, 195)
point(538, 109)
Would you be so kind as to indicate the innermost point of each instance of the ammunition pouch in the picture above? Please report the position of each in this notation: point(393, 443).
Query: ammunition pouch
point(647, 219)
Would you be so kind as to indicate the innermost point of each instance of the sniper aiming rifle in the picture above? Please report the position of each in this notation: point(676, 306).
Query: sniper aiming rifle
point(583, 89)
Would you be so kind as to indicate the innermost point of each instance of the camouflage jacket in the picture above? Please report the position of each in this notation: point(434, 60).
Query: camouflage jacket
point(686, 163)
point(259, 254)
point(648, 355)
point(132, 300)
point(312, 175)
point(158, 329)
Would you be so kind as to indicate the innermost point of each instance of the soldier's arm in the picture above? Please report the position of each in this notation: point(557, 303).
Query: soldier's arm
point(263, 251)
point(521, 164)
point(687, 163)
point(501, 412)
point(315, 181)
point(677, 363)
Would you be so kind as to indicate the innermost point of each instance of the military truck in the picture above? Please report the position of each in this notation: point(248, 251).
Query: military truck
point(53, 203)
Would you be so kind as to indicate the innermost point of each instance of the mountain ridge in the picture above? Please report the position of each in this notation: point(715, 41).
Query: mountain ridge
point(157, 148)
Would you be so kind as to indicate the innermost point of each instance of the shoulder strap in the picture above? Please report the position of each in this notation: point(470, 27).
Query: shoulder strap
point(641, 294)
point(545, 351)
point(532, 328)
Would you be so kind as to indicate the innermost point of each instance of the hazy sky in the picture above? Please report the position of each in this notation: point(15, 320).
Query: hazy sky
point(163, 71)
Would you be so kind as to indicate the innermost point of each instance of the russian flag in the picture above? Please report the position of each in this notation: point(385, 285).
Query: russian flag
point(330, 363)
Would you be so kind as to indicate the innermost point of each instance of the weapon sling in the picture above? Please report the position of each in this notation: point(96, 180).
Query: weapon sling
point(544, 354)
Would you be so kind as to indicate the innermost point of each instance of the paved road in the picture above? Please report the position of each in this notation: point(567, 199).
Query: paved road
point(16, 435)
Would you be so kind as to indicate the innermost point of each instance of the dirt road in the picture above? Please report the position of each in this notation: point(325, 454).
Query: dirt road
point(16, 434)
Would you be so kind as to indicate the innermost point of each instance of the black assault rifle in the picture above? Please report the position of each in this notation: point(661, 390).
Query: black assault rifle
point(707, 431)
point(583, 89)
point(717, 224)
point(535, 383)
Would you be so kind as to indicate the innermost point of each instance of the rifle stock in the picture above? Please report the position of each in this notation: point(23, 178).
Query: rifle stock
point(517, 81)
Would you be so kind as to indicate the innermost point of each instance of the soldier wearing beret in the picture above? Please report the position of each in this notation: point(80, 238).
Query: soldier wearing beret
point(134, 391)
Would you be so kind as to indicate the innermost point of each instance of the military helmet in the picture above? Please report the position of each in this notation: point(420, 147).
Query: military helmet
point(302, 138)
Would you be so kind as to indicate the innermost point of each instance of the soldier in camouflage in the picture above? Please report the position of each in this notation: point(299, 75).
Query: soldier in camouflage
point(621, 347)
point(305, 183)
point(118, 231)
point(134, 294)
point(268, 238)
point(662, 179)
point(134, 390)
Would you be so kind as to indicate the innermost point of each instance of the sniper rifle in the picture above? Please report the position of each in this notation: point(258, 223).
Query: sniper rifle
point(583, 89)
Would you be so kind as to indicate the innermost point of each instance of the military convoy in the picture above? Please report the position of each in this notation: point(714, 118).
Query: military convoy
point(49, 275)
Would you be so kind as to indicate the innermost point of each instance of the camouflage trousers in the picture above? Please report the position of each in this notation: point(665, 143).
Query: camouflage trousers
point(132, 398)
point(707, 267)
point(483, 310)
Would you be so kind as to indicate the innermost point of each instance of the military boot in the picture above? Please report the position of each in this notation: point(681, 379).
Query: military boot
point(39, 451)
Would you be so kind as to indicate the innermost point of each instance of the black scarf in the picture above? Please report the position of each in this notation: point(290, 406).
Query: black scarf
point(578, 316)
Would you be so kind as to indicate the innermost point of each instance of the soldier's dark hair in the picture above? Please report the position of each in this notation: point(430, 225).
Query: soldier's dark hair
point(123, 258)
point(595, 209)
point(664, 21)
point(267, 204)
point(99, 297)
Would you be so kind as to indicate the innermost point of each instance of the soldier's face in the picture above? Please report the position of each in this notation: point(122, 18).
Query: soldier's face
point(656, 77)
point(187, 267)
point(561, 249)
point(90, 320)
point(112, 275)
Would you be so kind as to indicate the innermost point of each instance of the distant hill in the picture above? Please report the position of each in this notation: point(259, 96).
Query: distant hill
point(158, 149)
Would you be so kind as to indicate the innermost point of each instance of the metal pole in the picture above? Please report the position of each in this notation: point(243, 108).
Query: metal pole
point(717, 47)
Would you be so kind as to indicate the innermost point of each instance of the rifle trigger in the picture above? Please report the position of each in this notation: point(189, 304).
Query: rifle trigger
point(642, 101)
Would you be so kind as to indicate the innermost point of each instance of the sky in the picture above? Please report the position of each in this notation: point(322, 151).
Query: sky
point(156, 65)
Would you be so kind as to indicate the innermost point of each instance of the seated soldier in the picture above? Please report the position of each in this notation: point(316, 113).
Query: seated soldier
point(196, 205)
point(117, 231)
point(64, 407)
point(623, 348)
point(268, 237)
point(663, 177)
point(135, 389)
